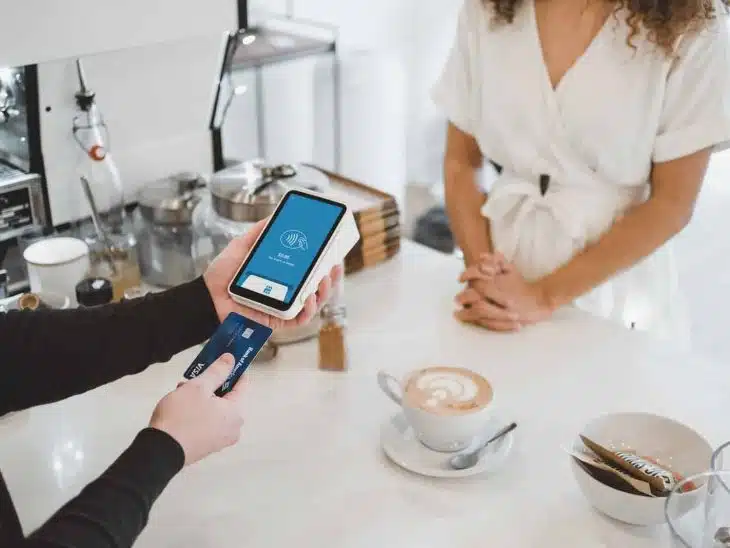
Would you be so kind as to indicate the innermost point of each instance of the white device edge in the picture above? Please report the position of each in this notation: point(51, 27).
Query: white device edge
point(344, 238)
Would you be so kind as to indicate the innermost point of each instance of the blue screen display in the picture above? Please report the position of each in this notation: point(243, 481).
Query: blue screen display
point(291, 244)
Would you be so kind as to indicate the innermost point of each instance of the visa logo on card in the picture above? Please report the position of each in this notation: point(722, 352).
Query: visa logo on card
point(237, 335)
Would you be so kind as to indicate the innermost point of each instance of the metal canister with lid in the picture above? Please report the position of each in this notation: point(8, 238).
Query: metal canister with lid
point(240, 196)
point(165, 234)
point(249, 192)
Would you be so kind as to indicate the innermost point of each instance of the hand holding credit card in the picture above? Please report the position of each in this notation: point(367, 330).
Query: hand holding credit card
point(199, 421)
point(238, 336)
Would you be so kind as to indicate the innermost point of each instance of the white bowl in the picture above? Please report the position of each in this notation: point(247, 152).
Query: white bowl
point(669, 442)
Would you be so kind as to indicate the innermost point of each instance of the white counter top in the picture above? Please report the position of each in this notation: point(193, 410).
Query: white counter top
point(309, 470)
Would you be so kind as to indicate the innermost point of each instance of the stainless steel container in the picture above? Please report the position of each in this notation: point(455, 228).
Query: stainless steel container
point(240, 196)
point(165, 233)
point(248, 192)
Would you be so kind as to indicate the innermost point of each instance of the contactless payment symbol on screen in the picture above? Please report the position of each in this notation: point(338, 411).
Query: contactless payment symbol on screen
point(294, 239)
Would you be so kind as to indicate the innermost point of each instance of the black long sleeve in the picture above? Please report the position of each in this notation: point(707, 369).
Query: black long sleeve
point(51, 355)
point(112, 511)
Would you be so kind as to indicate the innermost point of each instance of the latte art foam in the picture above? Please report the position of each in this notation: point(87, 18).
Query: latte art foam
point(448, 390)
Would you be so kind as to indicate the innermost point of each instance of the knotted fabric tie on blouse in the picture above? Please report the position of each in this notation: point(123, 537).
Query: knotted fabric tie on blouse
point(540, 223)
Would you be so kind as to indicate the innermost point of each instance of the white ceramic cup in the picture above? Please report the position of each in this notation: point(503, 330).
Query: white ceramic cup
point(56, 265)
point(439, 432)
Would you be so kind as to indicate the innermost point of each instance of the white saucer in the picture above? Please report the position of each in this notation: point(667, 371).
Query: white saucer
point(403, 448)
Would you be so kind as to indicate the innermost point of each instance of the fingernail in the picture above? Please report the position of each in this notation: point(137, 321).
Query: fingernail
point(514, 317)
point(227, 359)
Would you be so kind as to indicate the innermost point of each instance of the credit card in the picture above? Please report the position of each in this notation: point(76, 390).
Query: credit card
point(237, 335)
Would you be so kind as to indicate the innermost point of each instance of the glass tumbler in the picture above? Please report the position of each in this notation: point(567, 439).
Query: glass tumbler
point(700, 518)
point(136, 292)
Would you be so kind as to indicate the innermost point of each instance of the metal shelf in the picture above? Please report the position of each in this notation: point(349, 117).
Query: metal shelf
point(262, 46)
point(269, 40)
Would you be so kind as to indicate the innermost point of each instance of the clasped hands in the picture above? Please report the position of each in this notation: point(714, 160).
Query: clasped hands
point(497, 297)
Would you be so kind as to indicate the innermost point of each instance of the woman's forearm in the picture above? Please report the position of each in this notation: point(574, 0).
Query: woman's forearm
point(464, 199)
point(639, 233)
point(675, 185)
point(464, 202)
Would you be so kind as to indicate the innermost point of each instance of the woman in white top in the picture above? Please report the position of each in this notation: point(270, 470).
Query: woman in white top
point(600, 117)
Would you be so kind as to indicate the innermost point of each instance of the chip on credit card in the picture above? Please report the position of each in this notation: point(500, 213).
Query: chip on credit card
point(237, 335)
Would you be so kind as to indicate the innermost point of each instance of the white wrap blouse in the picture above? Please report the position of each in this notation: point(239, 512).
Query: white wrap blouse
point(575, 157)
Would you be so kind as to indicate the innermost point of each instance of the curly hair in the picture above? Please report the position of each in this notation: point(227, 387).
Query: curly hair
point(663, 20)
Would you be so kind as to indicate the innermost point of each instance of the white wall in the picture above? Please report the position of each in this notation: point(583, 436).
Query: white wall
point(157, 98)
point(46, 30)
point(419, 32)
point(152, 63)
point(156, 101)
point(297, 114)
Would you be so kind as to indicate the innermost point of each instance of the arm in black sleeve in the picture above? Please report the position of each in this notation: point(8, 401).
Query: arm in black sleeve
point(49, 355)
point(112, 511)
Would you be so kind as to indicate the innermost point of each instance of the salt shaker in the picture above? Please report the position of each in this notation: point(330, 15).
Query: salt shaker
point(333, 355)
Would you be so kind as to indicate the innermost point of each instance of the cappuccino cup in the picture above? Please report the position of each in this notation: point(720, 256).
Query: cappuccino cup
point(447, 407)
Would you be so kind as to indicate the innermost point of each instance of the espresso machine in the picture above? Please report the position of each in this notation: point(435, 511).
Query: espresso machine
point(23, 208)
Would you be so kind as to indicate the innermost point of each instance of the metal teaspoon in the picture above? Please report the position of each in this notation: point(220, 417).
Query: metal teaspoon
point(469, 458)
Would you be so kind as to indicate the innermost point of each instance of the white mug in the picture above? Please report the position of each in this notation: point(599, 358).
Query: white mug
point(443, 433)
point(56, 265)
